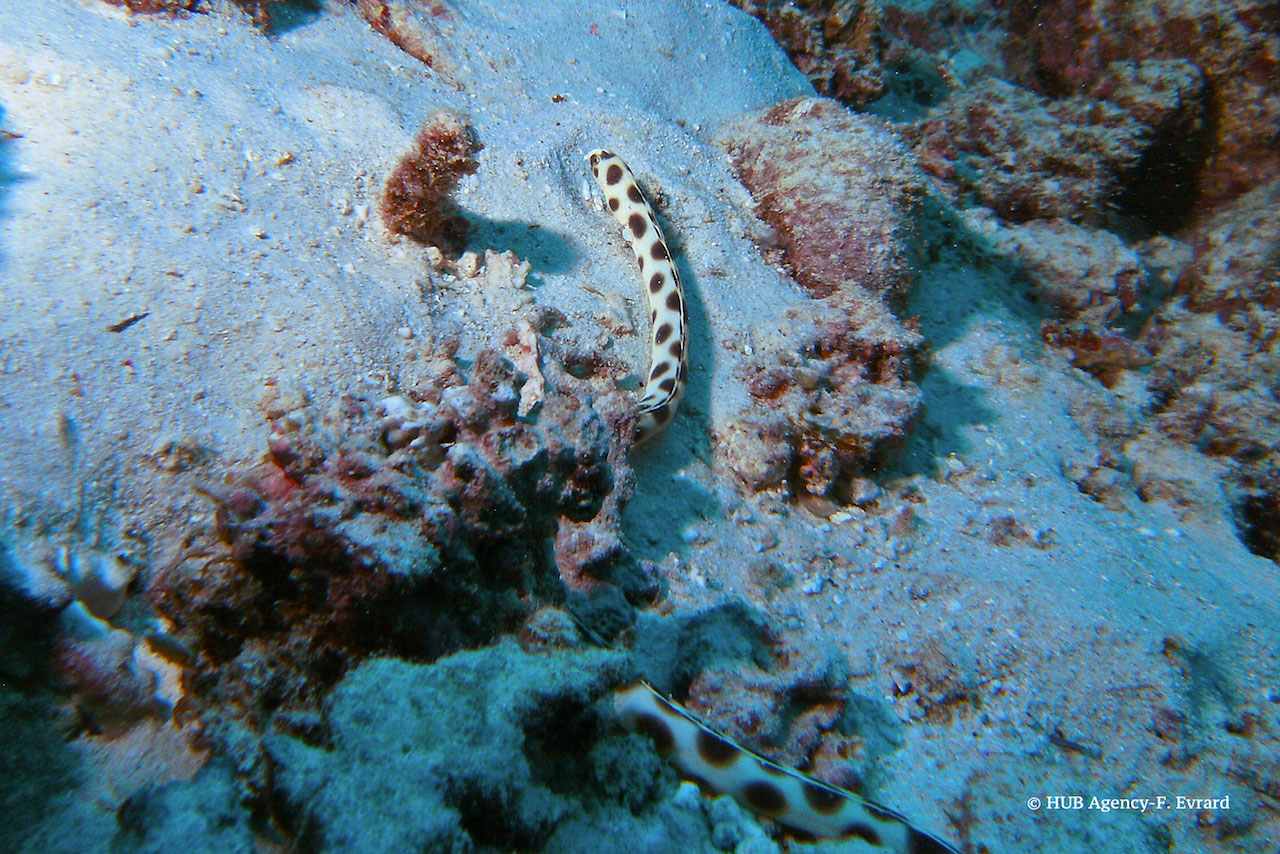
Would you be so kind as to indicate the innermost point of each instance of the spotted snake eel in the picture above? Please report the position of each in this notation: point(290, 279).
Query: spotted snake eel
point(668, 319)
point(788, 797)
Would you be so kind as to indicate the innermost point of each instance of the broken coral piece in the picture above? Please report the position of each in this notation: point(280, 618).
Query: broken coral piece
point(523, 344)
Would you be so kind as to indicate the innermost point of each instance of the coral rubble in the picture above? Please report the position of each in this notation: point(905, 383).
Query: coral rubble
point(412, 527)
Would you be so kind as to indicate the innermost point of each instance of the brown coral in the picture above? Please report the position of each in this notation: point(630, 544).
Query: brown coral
point(415, 197)
point(838, 189)
point(259, 11)
point(154, 7)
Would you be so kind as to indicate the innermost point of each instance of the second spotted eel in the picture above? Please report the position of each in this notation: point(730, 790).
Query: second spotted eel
point(668, 361)
point(788, 797)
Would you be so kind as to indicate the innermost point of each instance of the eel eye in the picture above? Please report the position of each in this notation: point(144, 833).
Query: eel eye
point(595, 159)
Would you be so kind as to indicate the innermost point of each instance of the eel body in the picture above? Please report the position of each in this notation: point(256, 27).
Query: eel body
point(668, 337)
point(790, 798)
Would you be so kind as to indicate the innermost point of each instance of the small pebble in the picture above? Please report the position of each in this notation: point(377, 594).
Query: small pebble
point(814, 585)
point(469, 265)
point(405, 332)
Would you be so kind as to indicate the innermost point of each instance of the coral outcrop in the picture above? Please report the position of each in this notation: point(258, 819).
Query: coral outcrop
point(1217, 365)
point(833, 387)
point(406, 526)
point(1067, 46)
point(1082, 158)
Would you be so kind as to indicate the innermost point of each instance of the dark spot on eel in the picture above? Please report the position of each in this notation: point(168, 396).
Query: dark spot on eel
point(764, 797)
point(713, 749)
point(863, 831)
point(822, 799)
point(638, 224)
point(657, 729)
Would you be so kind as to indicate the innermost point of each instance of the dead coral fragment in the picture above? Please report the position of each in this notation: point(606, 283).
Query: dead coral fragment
point(259, 11)
point(415, 198)
point(420, 28)
point(154, 7)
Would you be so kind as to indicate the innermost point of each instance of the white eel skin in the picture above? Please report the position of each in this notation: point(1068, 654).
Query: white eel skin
point(782, 794)
point(668, 338)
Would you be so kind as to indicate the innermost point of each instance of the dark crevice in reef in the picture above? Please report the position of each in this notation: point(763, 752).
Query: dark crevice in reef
point(1160, 191)
point(1259, 520)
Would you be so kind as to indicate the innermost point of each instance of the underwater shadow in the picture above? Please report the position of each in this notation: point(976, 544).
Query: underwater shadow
point(963, 280)
point(548, 251)
point(289, 15)
point(666, 504)
point(948, 408)
point(995, 284)
point(8, 174)
point(40, 766)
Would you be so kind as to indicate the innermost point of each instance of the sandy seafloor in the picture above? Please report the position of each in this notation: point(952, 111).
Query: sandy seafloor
point(225, 185)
